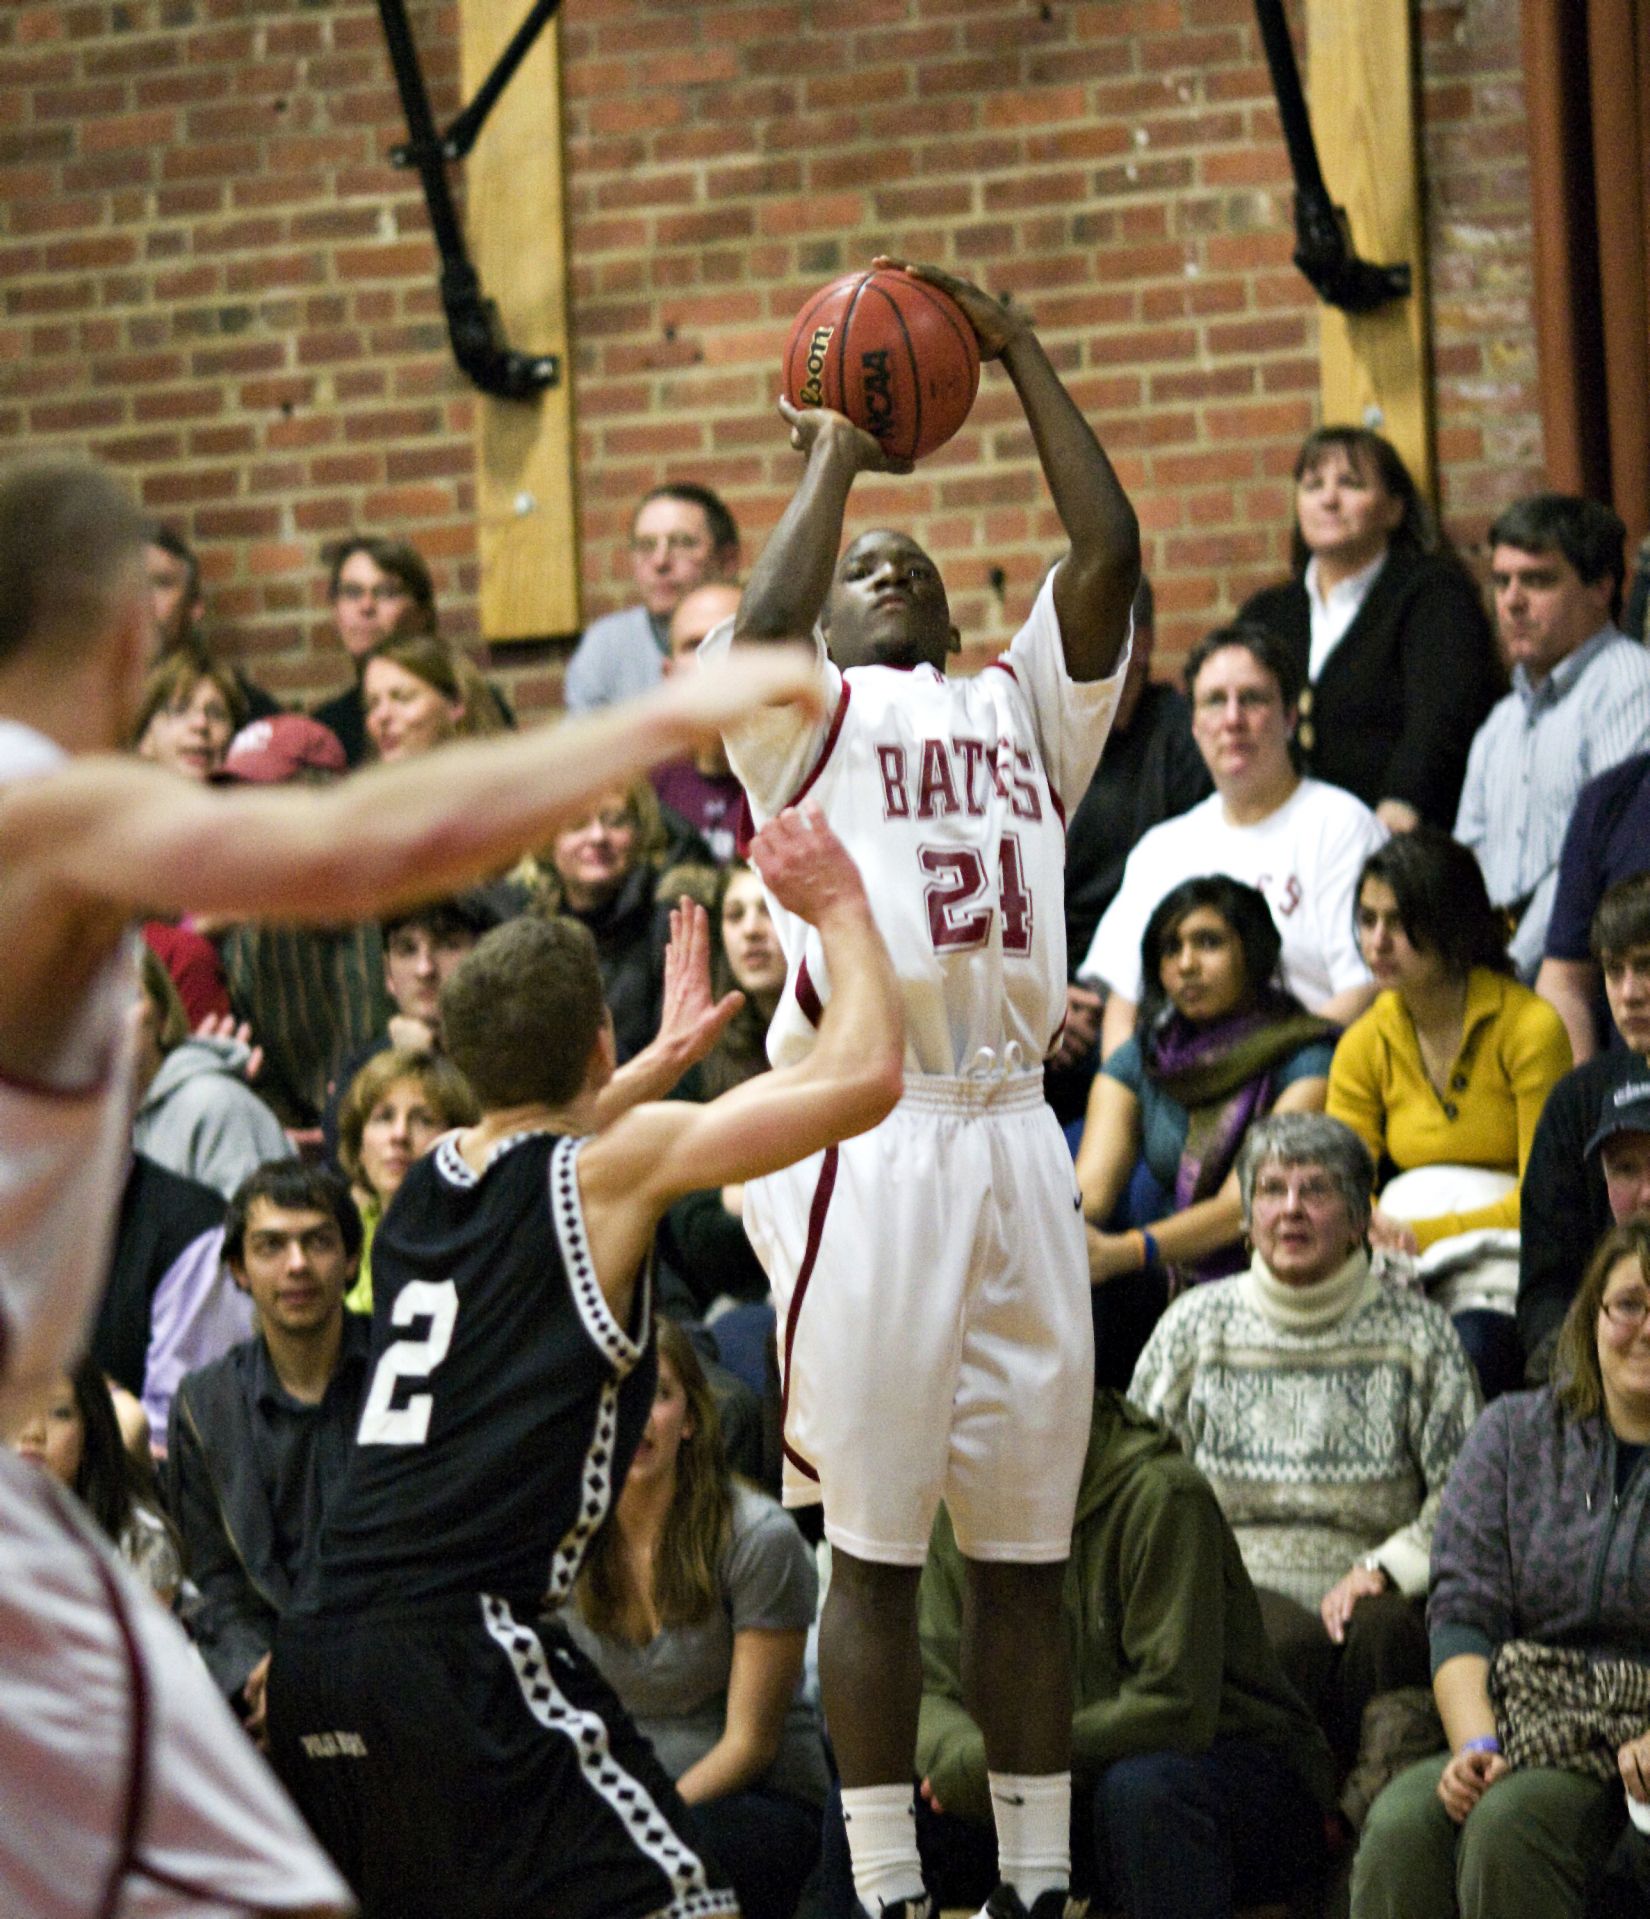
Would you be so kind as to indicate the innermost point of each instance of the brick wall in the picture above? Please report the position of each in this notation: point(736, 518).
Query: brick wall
point(213, 279)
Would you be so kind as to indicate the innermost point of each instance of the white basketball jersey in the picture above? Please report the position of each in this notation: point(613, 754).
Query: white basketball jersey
point(64, 1149)
point(952, 797)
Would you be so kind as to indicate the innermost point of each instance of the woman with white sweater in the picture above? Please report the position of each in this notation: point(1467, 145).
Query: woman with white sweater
point(1326, 1411)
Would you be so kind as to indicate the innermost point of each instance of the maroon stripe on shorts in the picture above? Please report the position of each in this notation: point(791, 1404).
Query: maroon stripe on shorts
point(816, 1232)
point(807, 995)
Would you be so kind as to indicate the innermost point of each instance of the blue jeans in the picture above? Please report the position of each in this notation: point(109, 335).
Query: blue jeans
point(765, 1843)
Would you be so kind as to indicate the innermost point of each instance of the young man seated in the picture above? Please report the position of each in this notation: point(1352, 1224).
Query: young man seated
point(259, 1439)
point(1565, 1205)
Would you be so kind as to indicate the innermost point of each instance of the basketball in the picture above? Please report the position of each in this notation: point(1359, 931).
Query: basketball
point(895, 354)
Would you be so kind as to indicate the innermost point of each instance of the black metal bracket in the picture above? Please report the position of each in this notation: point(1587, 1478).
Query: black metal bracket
point(1323, 241)
point(473, 323)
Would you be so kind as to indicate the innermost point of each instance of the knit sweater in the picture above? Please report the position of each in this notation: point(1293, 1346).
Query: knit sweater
point(1513, 1052)
point(1326, 1418)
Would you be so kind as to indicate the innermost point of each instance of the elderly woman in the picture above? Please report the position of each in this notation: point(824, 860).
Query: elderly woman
point(1326, 1411)
point(1541, 1574)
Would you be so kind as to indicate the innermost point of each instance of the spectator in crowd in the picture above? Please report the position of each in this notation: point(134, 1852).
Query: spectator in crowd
point(682, 537)
point(1218, 1044)
point(1566, 1203)
point(1580, 702)
point(314, 995)
point(1326, 1410)
point(189, 714)
point(259, 1439)
point(378, 589)
point(1448, 1071)
point(702, 1239)
point(167, 1304)
point(695, 1606)
point(179, 607)
point(1396, 658)
point(76, 1437)
point(418, 693)
point(1301, 842)
point(187, 720)
point(604, 871)
point(1150, 770)
point(1199, 1779)
point(1540, 1634)
point(703, 791)
point(1608, 840)
point(393, 1112)
point(195, 1111)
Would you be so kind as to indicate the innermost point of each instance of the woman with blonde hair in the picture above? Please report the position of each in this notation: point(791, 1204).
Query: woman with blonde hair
point(695, 1604)
point(397, 1107)
point(419, 693)
point(604, 871)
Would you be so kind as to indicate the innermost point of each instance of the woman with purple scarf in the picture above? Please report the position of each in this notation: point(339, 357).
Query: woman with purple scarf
point(1217, 1044)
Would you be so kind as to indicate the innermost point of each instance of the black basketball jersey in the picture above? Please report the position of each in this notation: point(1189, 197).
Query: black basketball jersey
point(504, 1400)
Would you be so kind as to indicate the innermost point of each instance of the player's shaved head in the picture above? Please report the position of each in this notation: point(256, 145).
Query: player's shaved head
point(71, 542)
point(887, 605)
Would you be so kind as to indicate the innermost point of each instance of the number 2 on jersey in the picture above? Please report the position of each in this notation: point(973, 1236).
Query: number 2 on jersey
point(958, 897)
point(381, 1423)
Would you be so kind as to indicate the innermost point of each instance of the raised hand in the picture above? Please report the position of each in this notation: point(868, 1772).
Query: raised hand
point(691, 1020)
point(809, 425)
point(226, 1026)
point(996, 325)
point(719, 693)
point(806, 867)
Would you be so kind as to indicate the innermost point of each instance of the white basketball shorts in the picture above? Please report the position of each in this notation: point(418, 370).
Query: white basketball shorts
point(127, 1791)
point(935, 1339)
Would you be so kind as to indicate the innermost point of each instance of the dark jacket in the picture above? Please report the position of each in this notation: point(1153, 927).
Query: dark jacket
point(1534, 1542)
point(224, 1502)
point(162, 1215)
point(1564, 1210)
point(1393, 713)
point(1149, 772)
point(1168, 1651)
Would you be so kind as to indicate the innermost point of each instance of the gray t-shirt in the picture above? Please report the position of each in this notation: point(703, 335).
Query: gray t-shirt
point(676, 1686)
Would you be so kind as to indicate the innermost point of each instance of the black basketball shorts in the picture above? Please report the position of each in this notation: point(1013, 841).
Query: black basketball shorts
point(460, 1762)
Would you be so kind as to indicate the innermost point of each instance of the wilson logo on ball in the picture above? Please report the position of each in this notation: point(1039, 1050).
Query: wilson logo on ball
point(812, 389)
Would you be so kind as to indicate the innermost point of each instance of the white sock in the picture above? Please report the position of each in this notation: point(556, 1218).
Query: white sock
point(1033, 1817)
point(882, 1840)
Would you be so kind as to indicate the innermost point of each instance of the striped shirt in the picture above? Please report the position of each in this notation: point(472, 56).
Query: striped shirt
point(1529, 762)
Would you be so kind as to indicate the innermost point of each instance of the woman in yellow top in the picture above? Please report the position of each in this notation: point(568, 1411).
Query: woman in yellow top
point(1449, 1068)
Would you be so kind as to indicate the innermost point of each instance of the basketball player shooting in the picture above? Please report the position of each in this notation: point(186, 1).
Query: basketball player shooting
point(126, 1784)
point(930, 1276)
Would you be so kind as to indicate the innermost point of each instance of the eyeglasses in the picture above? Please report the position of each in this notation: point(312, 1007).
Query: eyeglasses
point(381, 595)
point(1314, 1189)
point(1627, 1311)
point(645, 548)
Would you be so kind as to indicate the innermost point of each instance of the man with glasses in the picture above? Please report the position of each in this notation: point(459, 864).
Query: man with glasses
point(682, 537)
point(378, 589)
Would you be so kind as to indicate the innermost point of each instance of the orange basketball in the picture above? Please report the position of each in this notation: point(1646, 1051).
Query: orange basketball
point(892, 352)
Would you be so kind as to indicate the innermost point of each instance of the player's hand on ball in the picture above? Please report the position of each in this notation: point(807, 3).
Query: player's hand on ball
point(996, 325)
point(804, 865)
point(811, 424)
